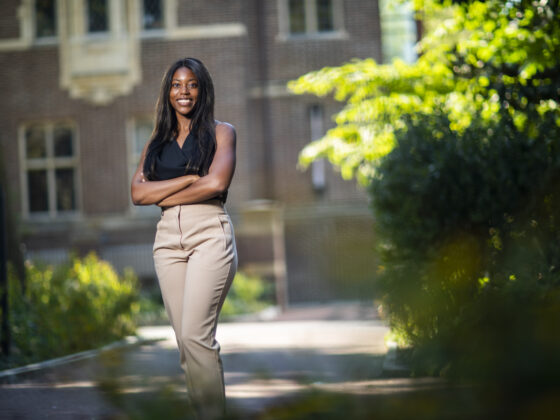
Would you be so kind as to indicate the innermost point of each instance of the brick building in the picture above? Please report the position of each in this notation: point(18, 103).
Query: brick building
point(79, 83)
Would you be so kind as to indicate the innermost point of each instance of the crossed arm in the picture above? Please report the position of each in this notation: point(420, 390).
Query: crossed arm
point(189, 189)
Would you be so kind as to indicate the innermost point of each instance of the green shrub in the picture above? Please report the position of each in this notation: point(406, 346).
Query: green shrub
point(150, 307)
point(471, 248)
point(70, 308)
point(247, 295)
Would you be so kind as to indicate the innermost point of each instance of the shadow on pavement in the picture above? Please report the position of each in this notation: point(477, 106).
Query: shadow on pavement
point(277, 370)
point(304, 384)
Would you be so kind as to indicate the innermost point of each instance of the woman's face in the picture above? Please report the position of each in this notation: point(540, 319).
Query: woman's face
point(184, 91)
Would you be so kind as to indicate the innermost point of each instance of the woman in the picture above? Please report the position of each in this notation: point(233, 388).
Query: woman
point(186, 169)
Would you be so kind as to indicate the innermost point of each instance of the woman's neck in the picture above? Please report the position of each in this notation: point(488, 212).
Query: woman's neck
point(183, 125)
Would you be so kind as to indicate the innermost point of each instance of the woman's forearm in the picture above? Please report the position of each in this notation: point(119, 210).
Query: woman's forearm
point(203, 189)
point(146, 192)
point(219, 175)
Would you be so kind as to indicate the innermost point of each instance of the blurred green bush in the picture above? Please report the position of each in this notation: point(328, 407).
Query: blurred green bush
point(460, 149)
point(248, 294)
point(151, 310)
point(470, 243)
point(70, 308)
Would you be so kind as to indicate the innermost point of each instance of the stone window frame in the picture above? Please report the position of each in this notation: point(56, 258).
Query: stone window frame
point(338, 32)
point(50, 163)
point(73, 18)
point(133, 156)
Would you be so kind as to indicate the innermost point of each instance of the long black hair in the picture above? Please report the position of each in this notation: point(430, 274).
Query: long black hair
point(202, 124)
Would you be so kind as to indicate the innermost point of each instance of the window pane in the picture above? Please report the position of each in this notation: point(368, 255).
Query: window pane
point(37, 190)
point(97, 16)
point(318, 167)
point(35, 146)
point(142, 135)
point(45, 18)
point(398, 30)
point(153, 16)
point(65, 192)
point(63, 145)
point(324, 15)
point(297, 16)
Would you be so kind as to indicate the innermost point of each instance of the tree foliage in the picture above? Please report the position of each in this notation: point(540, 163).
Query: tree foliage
point(471, 248)
point(494, 59)
point(461, 152)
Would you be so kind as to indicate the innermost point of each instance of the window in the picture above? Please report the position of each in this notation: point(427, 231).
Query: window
point(398, 31)
point(45, 18)
point(325, 21)
point(311, 19)
point(49, 162)
point(318, 174)
point(140, 130)
point(297, 16)
point(152, 17)
point(143, 128)
point(97, 16)
point(307, 17)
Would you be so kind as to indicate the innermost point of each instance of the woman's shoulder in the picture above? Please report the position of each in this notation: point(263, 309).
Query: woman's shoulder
point(225, 130)
point(224, 126)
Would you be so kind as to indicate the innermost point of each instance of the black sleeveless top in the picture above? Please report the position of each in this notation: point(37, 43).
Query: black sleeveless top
point(172, 161)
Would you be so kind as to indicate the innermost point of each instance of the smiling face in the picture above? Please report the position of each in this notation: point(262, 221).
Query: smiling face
point(184, 91)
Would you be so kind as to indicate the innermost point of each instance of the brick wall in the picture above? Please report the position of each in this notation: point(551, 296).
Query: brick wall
point(271, 132)
point(9, 23)
point(210, 12)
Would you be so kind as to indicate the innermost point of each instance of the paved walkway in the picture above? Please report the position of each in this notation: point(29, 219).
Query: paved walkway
point(336, 348)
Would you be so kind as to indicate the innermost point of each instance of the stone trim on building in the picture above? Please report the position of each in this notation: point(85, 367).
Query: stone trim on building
point(99, 67)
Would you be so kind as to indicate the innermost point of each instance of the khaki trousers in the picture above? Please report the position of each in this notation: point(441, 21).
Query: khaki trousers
point(195, 259)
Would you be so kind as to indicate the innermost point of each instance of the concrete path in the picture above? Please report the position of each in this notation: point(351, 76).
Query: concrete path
point(338, 348)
